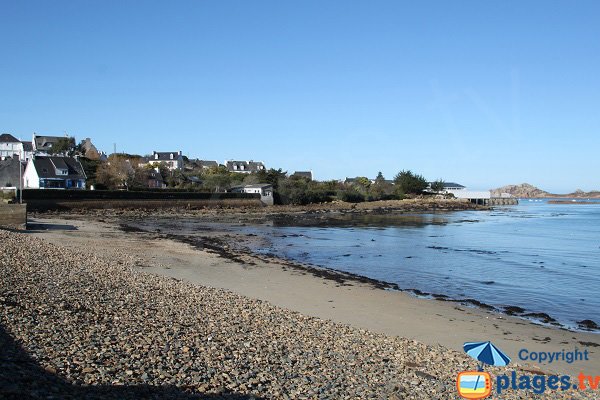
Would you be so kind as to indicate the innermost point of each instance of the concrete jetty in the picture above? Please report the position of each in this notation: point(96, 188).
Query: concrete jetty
point(485, 198)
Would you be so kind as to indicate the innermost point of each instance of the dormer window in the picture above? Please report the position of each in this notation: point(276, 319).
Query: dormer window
point(156, 156)
point(171, 156)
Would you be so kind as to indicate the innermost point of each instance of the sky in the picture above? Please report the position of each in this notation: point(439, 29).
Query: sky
point(483, 93)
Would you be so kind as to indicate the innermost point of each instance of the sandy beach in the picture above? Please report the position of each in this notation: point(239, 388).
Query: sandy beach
point(354, 303)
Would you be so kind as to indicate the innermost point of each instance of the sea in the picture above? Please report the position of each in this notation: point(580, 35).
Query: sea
point(536, 257)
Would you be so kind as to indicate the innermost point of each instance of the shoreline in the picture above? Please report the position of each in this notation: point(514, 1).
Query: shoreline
point(341, 299)
point(341, 277)
point(219, 213)
point(227, 247)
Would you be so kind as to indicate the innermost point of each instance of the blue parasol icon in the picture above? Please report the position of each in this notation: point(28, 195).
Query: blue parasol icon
point(486, 353)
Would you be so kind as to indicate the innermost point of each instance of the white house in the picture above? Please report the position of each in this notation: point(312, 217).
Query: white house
point(173, 160)
point(452, 186)
point(264, 189)
point(449, 187)
point(54, 173)
point(10, 146)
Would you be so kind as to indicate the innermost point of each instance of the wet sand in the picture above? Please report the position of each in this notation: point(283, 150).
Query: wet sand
point(359, 304)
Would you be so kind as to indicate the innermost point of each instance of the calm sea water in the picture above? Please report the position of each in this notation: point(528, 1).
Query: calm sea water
point(539, 256)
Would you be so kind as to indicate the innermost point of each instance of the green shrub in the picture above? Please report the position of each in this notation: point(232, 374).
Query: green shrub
point(351, 195)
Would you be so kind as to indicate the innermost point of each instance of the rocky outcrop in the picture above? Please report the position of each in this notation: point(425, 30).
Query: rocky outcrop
point(525, 190)
point(522, 190)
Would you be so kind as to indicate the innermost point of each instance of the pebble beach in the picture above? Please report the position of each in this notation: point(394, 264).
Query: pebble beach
point(77, 324)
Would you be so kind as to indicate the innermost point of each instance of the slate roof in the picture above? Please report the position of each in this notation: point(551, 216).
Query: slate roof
point(8, 138)
point(46, 167)
point(453, 184)
point(27, 146)
point(236, 165)
point(257, 186)
point(245, 166)
point(351, 180)
point(207, 164)
point(165, 155)
point(45, 142)
point(155, 176)
point(303, 174)
point(256, 166)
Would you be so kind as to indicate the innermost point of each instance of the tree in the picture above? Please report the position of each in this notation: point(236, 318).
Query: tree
point(409, 183)
point(140, 177)
point(65, 146)
point(299, 190)
point(216, 179)
point(438, 186)
point(116, 173)
point(351, 195)
point(163, 170)
point(90, 167)
point(363, 181)
point(271, 176)
point(381, 189)
point(251, 179)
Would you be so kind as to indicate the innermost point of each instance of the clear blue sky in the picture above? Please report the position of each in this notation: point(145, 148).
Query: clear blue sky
point(484, 93)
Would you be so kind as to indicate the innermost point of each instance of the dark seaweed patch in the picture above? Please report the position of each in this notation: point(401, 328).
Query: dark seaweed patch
point(588, 325)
